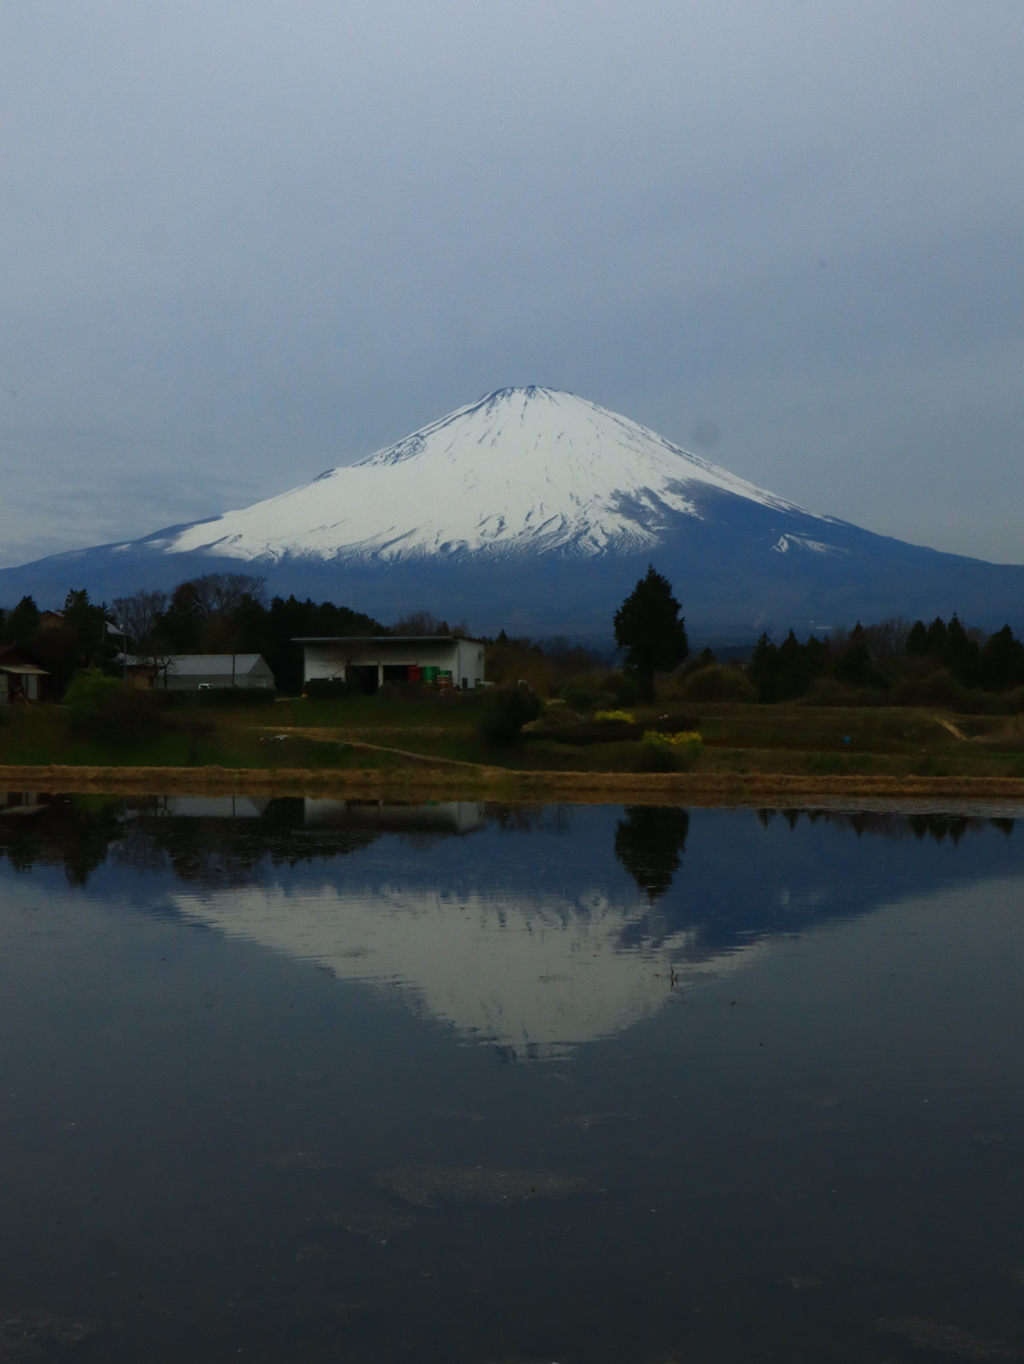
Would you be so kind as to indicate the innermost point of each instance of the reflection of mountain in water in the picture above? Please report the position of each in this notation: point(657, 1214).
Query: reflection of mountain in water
point(537, 964)
point(533, 929)
point(533, 973)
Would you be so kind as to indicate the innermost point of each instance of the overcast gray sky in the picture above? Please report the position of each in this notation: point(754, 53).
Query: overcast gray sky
point(244, 241)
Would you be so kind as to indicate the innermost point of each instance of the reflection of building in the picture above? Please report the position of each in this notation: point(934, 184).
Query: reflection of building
point(447, 816)
point(199, 672)
point(368, 661)
point(19, 679)
point(211, 807)
point(24, 802)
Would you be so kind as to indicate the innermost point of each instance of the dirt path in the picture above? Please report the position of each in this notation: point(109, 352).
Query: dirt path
point(336, 736)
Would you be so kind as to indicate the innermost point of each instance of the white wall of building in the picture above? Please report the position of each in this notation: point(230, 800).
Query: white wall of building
point(329, 659)
point(470, 669)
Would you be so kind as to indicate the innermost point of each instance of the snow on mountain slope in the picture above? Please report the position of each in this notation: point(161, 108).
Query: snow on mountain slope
point(521, 470)
point(536, 512)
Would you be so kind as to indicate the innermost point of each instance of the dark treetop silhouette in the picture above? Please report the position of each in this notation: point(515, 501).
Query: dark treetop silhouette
point(649, 627)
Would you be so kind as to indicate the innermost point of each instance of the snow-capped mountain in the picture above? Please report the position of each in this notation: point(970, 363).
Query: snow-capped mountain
point(521, 472)
point(536, 511)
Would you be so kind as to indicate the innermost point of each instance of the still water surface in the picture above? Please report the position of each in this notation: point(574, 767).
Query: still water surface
point(308, 1080)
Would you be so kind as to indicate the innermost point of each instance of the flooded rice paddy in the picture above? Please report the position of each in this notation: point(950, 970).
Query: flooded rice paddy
point(304, 1080)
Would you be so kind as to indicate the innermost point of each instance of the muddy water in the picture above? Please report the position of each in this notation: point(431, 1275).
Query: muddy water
point(307, 1080)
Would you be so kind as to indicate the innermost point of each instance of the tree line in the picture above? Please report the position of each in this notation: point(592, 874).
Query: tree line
point(214, 614)
point(938, 664)
point(220, 613)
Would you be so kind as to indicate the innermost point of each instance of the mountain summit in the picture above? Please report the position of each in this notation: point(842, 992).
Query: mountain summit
point(523, 471)
point(536, 511)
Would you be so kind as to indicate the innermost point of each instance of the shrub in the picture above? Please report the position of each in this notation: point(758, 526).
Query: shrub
point(1011, 703)
point(600, 689)
point(669, 752)
point(625, 687)
point(581, 694)
point(618, 717)
point(827, 691)
point(557, 715)
point(715, 683)
point(940, 689)
point(687, 739)
point(506, 710)
point(104, 709)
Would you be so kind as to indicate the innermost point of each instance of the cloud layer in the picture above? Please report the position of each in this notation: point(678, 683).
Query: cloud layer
point(244, 242)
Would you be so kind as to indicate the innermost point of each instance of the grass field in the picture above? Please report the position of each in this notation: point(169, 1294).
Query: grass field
point(391, 735)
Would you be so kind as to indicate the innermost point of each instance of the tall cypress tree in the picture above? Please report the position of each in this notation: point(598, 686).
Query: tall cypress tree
point(649, 627)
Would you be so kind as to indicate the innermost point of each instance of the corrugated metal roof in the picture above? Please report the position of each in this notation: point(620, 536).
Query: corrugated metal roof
point(23, 669)
point(382, 639)
point(200, 665)
point(191, 665)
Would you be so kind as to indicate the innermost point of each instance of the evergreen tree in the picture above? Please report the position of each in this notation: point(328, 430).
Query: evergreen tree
point(182, 623)
point(962, 655)
point(937, 638)
point(1002, 661)
point(21, 622)
point(84, 624)
point(853, 665)
point(649, 627)
point(917, 640)
point(763, 667)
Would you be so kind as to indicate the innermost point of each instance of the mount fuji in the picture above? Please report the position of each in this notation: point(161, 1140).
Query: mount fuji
point(536, 511)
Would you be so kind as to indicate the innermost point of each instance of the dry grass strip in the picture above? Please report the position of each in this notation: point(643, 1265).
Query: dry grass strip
point(497, 783)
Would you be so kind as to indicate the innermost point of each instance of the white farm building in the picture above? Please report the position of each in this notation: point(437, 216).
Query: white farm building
point(368, 661)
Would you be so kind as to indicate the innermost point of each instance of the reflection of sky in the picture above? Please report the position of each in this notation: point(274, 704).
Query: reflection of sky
point(528, 932)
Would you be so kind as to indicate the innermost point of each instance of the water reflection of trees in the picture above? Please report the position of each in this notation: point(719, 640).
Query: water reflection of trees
point(224, 846)
point(80, 834)
point(530, 819)
point(650, 840)
point(650, 843)
point(737, 907)
point(75, 835)
point(229, 852)
point(938, 825)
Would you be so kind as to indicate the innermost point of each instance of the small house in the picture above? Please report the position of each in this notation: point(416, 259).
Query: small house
point(19, 678)
point(368, 661)
point(199, 672)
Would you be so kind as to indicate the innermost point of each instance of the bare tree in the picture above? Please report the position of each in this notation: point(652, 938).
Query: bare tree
point(420, 623)
point(219, 594)
point(888, 639)
point(138, 615)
